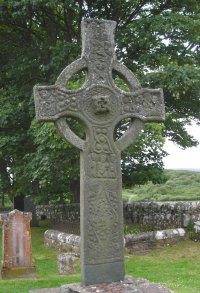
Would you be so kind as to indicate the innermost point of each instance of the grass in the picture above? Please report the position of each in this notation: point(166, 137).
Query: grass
point(180, 186)
point(175, 267)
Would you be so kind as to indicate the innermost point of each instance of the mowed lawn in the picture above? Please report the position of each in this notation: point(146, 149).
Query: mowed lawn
point(176, 267)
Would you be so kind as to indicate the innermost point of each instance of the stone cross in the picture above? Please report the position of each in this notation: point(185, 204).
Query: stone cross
point(17, 248)
point(100, 106)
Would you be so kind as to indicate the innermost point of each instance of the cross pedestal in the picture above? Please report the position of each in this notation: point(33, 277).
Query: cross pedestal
point(100, 106)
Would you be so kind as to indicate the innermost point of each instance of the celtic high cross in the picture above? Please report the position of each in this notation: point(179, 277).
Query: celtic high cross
point(100, 106)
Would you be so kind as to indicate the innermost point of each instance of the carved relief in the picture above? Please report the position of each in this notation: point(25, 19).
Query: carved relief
point(54, 101)
point(100, 53)
point(101, 141)
point(146, 104)
point(66, 102)
point(102, 165)
point(47, 102)
point(100, 104)
point(101, 160)
point(103, 227)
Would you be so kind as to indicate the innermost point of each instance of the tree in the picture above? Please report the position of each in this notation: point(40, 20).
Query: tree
point(157, 40)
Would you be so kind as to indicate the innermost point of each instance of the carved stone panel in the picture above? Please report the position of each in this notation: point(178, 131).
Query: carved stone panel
point(54, 102)
point(100, 104)
point(98, 48)
point(144, 104)
point(101, 165)
point(103, 227)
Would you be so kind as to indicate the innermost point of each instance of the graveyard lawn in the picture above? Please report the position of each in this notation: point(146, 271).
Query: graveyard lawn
point(175, 267)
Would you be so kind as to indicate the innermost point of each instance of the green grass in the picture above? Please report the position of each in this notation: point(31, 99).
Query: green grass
point(175, 267)
point(181, 186)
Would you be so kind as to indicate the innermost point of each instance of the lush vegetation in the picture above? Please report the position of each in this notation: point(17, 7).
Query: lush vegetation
point(157, 40)
point(181, 185)
point(174, 267)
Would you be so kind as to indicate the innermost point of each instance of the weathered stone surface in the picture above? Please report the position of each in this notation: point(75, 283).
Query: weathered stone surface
point(134, 243)
point(62, 241)
point(59, 213)
point(17, 248)
point(66, 264)
point(144, 242)
point(129, 285)
point(197, 226)
point(162, 215)
point(100, 106)
point(170, 233)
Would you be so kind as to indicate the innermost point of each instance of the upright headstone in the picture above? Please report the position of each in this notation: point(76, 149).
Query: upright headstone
point(30, 207)
point(19, 203)
point(100, 105)
point(17, 248)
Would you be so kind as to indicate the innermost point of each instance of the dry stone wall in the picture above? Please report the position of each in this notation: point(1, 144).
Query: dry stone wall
point(162, 215)
point(155, 215)
point(59, 213)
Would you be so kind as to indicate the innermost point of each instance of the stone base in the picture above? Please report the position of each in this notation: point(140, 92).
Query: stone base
point(129, 285)
point(103, 273)
point(18, 273)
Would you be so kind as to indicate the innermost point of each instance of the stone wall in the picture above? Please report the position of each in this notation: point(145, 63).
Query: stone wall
point(59, 213)
point(62, 241)
point(133, 243)
point(155, 215)
point(162, 215)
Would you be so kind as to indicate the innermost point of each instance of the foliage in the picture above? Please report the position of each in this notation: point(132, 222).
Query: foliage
point(146, 164)
point(180, 186)
point(157, 40)
point(136, 229)
point(190, 229)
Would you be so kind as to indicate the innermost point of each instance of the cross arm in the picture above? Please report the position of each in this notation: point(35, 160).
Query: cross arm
point(145, 104)
point(142, 105)
point(52, 102)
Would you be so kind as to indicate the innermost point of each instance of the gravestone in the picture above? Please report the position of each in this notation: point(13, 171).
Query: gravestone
point(100, 106)
point(19, 203)
point(29, 206)
point(17, 249)
point(66, 263)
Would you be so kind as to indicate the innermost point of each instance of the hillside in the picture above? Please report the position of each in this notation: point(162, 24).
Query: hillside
point(181, 185)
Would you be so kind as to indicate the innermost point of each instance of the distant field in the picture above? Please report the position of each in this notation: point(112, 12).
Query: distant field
point(181, 185)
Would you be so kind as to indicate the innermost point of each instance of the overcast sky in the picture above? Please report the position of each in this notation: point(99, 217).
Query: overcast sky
point(183, 159)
